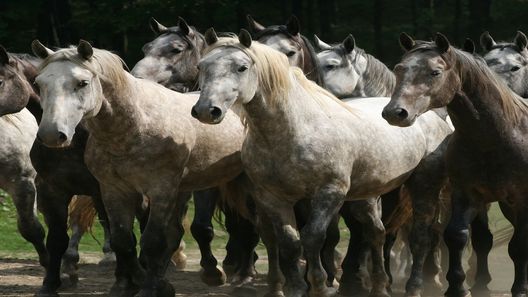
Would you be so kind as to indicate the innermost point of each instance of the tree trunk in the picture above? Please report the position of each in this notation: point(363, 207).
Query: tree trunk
point(479, 16)
point(378, 28)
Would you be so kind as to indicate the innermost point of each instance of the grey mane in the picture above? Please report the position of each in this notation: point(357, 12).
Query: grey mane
point(378, 79)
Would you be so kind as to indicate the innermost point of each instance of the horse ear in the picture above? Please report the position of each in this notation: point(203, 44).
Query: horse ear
point(520, 40)
point(254, 26)
point(184, 28)
point(4, 57)
point(486, 41)
point(210, 36)
point(349, 43)
point(469, 46)
point(293, 25)
point(245, 38)
point(85, 49)
point(157, 27)
point(406, 41)
point(441, 42)
point(321, 44)
point(40, 50)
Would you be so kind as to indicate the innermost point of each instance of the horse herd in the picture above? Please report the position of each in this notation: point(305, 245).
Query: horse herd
point(228, 120)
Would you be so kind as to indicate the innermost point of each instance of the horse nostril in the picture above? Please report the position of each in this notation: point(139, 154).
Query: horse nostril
point(194, 113)
point(216, 112)
point(62, 137)
point(401, 113)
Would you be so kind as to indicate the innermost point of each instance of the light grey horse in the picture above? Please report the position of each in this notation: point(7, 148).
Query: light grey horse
point(509, 60)
point(303, 143)
point(142, 141)
point(348, 71)
point(17, 175)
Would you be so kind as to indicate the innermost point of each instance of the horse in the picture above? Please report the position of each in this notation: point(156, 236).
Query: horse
point(486, 156)
point(142, 141)
point(61, 174)
point(508, 60)
point(17, 176)
point(171, 58)
point(348, 71)
point(177, 50)
point(332, 157)
point(288, 40)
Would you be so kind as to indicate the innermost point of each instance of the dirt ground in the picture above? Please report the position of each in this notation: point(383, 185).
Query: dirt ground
point(23, 277)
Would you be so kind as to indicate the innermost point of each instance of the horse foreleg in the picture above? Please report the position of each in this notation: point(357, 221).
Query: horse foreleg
point(456, 236)
point(325, 205)
point(121, 209)
point(202, 231)
point(518, 247)
point(161, 238)
point(482, 242)
point(54, 207)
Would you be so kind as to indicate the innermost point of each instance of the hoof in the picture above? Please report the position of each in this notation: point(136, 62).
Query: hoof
point(230, 269)
point(383, 293)
point(46, 293)
point(108, 259)
point(165, 289)
point(123, 289)
point(274, 294)
point(523, 294)
point(244, 291)
point(179, 260)
point(458, 293)
point(241, 281)
point(326, 292)
point(213, 278)
point(353, 290)
point(69, 280)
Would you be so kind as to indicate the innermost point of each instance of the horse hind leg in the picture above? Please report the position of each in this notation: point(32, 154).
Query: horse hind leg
point(202, 231)
point(23, 193)
point(108, 254)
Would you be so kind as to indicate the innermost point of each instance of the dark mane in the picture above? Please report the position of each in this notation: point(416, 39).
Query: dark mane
point(311, 66)
point(476, 75)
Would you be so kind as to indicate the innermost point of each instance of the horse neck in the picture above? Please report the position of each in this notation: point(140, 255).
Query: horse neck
point(377, 80)
point(119, 113)
point(266, 120)
point(483, 110)
point(310, 65)
point(29, 69)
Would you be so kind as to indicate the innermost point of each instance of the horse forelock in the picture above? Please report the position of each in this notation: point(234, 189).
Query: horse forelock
point(107, 66)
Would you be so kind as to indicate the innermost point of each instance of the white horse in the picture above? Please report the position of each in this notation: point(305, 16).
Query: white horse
point(303, 143)
point(142, 141)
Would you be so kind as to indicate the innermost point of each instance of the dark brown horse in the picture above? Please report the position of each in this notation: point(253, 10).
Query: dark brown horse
point(486, 157)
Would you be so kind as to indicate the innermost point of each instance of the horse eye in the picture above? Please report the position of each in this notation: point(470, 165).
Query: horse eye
point(330, 67)
point(175, 51)
point(515, 68)
point(242, 68)
point(290, 53)
point(436, 73)
point(82, 83)
point(1, 82)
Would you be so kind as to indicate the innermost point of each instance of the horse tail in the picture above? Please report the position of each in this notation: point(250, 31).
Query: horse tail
point(81, 213)
point(234, 194)
point(402, 213)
